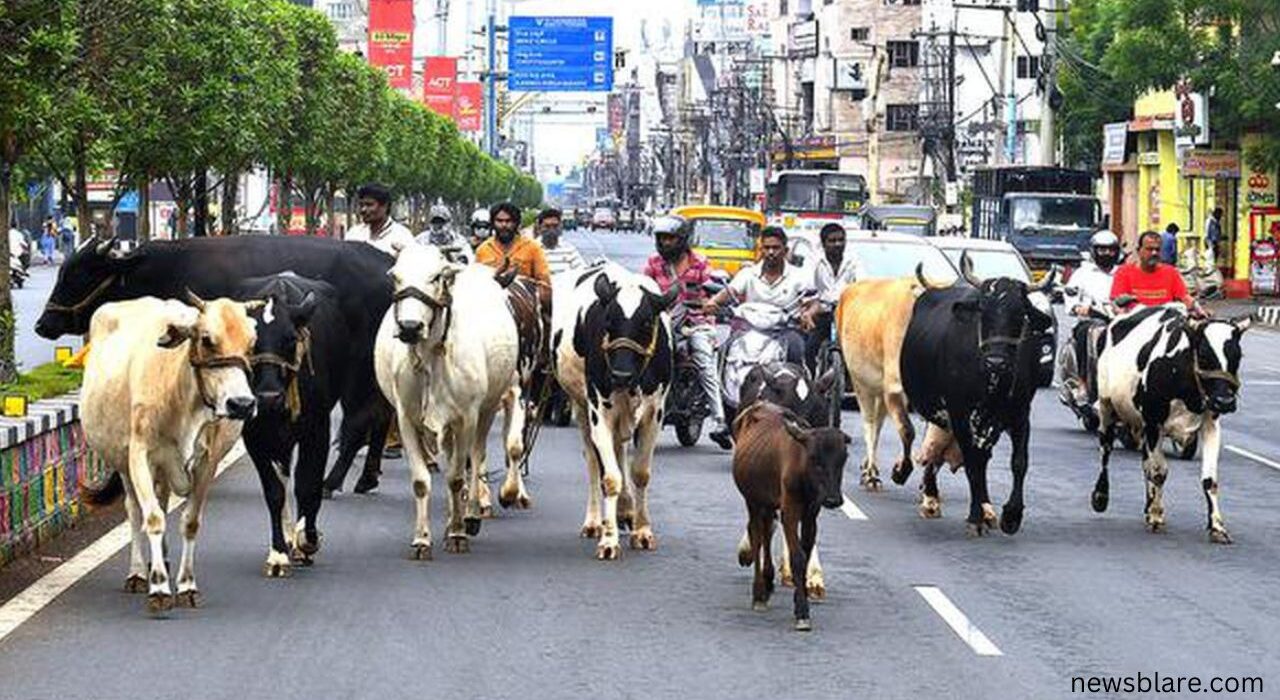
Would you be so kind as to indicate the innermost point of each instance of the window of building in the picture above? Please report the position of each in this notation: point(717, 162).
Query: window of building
point(860, 33)
point(806, 105)
point(1029, 67)
point(782, 7)
point(902, 118)
point(903, 54)
point(903, 2)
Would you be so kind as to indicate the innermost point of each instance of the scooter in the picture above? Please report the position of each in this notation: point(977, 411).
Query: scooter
point(1200, 274)
point(751, 343)
point(17, 272)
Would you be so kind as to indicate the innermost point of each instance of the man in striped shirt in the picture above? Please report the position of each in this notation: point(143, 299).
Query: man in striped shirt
point(561, 256)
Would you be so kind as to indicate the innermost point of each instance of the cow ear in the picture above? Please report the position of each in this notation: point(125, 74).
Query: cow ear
point(1242, 323)
point(825, 383)
point(505, 277)
point(799, 432)
point(965, 305)
point(667, 300)
point(175, 334)
point(300, 315)
point(606, 290)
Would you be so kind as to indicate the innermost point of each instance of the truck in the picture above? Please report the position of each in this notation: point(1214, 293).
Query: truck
point(1047, 213)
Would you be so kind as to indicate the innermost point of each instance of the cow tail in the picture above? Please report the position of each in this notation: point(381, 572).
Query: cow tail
point(104, 495)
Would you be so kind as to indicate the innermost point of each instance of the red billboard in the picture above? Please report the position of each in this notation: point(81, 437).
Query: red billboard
point(440, 85)
point(470, 102)
point(391, 40)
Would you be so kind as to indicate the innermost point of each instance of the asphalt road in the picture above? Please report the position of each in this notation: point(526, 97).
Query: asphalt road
point(529, 613)
point(32, 350)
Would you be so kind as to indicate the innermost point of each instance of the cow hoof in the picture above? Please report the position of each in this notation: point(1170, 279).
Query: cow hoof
point(592, 531)
point(135, 584)
point(158, 603)
point(457, 544)
point(1100, 499)
point(366, 485)
point(930, 508)
point(327, 493)
point(421, 552)
point(785, 579)
point(803, 624)
point(760, 606)
point(976, 529)
point(644, 540)
point(277, 566)
point(817, 590)
point(472, 525)
point(901, 472)
point(506, 499)
point(1010, 520)
point(524, 502)
point(989, 515)
point(608, 552)
point(870, 483)
point(1219, 537)
point(300, 557)
point(189, 599)
point(1155, 525)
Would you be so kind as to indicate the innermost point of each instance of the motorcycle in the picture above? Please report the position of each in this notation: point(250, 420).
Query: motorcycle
point(17, 272)
point(752, 342)
point(1200, 274)
point(687, 406)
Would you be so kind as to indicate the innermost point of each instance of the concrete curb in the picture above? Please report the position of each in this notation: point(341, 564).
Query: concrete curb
point(1269, 315)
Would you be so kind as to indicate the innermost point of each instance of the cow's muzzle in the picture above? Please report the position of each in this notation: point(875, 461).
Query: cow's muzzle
point(833, 501)
point(410, 331)
point(241, 408)
point(1223, 404)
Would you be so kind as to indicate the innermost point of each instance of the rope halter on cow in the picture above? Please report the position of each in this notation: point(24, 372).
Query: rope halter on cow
point(77, 308)
point(429, 301)
point(199, 362)
point(609, 345)
point(302, 352)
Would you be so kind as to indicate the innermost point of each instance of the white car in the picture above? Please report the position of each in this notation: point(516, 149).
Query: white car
point(879, 254)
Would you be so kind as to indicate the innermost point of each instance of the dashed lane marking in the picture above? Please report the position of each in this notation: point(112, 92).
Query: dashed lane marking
point(958, 621)
point(23, 606)
point(850, 509)
point(1254, 456)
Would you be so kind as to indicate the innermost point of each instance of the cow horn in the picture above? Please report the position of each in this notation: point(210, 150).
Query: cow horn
point(195, 300)
point(505, 276)
point(924, 281)
point(105, 245)
point(255, 305)
point(966, 270)
point(1047, 283)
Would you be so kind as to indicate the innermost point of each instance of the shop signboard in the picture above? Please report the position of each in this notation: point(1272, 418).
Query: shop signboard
point(391, 40)
point(1260, 189)
point(1211, 164)
point(1262, 266)
point(1113, 140)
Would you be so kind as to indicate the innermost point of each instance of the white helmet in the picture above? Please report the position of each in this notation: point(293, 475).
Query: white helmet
point(480, 218)
point(1104, 239)
point(439, 212)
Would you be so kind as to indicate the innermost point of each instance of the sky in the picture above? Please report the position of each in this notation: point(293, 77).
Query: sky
point(557, 139)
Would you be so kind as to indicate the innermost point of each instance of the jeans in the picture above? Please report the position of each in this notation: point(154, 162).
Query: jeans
point(702, 350)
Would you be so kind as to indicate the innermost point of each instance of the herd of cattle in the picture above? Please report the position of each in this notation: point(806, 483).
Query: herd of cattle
point(207, 341)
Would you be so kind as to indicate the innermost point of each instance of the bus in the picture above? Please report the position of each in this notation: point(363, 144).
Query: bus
point(807, 200)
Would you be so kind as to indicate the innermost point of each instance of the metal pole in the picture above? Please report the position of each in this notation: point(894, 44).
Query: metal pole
point(491, 101)
point(1048, 137)
point(1011, 94)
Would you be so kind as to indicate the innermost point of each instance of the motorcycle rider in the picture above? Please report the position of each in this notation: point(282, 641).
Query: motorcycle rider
point(561, 255)
point(479, 227)
point(834, 272)
point(441, 234)
point(676, 263)
point(771, 281)
point(508, 247)
point(1091, 286)
point(1150, 282)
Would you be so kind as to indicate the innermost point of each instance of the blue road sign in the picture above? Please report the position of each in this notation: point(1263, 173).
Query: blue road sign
point(560, 54)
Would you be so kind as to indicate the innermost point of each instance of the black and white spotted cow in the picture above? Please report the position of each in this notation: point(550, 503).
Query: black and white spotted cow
point(1161, 373)
point(613, 353)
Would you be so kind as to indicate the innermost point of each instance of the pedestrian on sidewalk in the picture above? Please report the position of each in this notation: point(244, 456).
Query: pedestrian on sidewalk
point(48, 242)
point(1213, 231)
point(1169, 244)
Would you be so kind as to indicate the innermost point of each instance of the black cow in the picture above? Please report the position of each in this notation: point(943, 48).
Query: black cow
point(612, 343)
point(98, 273)
point(299, 365)
point(969, 363)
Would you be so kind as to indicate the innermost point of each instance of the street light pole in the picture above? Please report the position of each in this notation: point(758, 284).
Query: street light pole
point(491, 100)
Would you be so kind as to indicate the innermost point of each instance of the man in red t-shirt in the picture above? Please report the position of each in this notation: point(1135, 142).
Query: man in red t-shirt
point(1151, 282)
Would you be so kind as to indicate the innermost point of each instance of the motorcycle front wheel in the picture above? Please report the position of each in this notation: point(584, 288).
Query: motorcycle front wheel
point(688, 432)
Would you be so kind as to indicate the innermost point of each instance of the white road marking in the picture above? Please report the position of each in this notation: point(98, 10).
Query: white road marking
point(850, 509)
point(1269, 368)
point(957, 621)
point(1263, 382)
point(23, 606)
point(1254, 456)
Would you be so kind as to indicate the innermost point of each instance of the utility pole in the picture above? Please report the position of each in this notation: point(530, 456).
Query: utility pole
point(491, 80)
point(442, 27)
point(1048, 65)
point(870, 117)
point(1011, 94)
point(1002, 156)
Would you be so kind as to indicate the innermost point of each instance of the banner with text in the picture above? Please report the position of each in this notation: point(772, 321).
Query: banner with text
point(440, 85)
point(391, 40)
point(470, 101)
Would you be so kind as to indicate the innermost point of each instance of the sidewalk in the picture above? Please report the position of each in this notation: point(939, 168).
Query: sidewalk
point(1265, 310)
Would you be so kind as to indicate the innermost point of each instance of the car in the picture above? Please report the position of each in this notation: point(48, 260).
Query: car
point(992, 258)
point(879, 254)
point(902, 218)
point(728, 236)
point(603, 217)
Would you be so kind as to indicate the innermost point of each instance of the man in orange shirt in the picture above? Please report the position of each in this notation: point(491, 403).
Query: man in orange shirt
point(507, 247)
point(1150, 282)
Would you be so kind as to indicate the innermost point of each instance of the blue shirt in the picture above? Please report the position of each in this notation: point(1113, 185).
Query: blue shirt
point(1168, 247)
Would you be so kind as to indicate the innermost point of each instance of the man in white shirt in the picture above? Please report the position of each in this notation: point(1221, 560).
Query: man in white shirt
point(771, 281)
point(378, 229)
point(832, 274)
point(1090, 285)
point(561, 256)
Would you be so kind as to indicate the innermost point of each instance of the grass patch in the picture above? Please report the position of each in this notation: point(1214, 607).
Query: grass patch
point(44, 382)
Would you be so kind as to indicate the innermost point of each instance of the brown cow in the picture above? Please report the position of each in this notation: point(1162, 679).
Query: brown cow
point(781, 465)
point(872, 319)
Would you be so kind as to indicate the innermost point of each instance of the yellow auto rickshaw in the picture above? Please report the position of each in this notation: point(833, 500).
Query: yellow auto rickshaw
point(728, 236)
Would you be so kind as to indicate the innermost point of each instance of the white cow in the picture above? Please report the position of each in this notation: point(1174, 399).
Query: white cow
point(445, 358)
point(165, 392)
point(612, 340)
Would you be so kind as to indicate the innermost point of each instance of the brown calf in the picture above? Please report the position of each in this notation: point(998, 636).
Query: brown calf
point(779, 464)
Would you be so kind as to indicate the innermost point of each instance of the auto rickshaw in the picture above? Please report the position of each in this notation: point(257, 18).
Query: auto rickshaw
point(728, 236)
